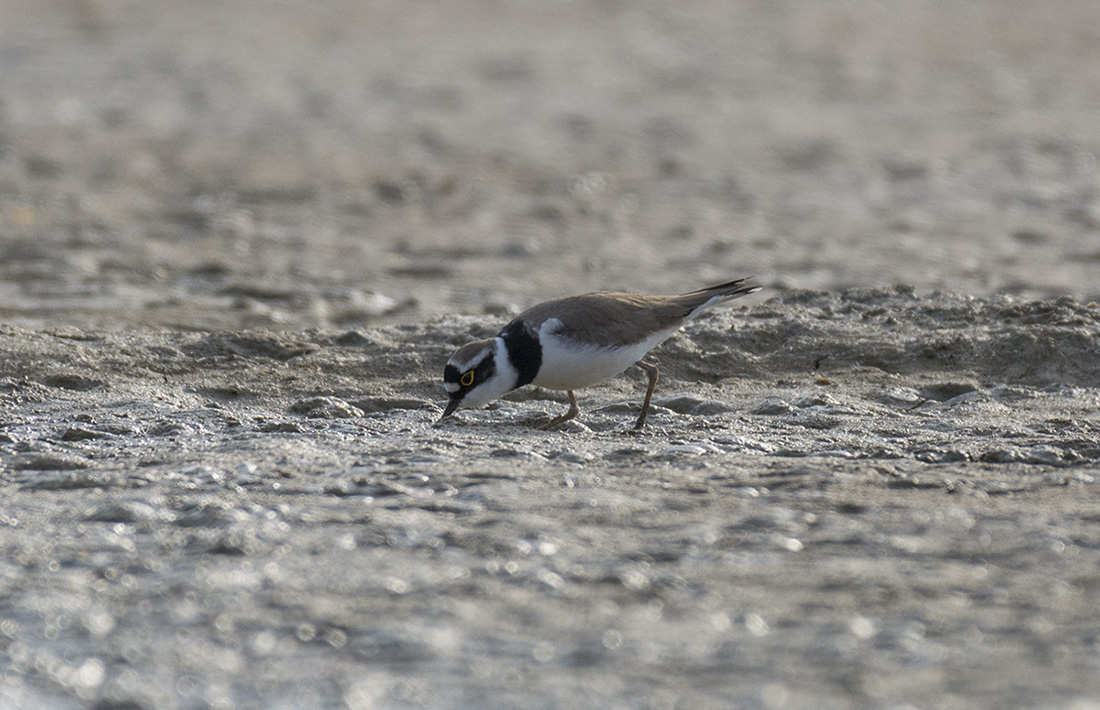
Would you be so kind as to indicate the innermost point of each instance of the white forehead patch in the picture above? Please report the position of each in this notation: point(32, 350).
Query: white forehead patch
point(451, 387)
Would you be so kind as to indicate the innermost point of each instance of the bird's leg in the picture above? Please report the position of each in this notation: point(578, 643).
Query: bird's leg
point(573, 411)
point(653, 373)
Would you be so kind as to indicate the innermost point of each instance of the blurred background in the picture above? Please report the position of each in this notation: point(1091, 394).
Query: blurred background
point(287, 164)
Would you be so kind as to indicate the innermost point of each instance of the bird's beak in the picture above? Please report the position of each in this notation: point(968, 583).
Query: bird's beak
point(451, 407)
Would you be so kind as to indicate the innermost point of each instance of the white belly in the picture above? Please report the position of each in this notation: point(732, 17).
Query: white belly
point(568, 365)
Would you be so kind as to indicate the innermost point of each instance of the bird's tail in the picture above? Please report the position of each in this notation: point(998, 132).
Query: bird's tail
point(729, 289)
point(704, 298)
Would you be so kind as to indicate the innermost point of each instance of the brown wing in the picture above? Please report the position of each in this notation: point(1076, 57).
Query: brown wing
point(608, 318)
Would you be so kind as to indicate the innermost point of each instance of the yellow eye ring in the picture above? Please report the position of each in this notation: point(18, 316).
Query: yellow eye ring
point(467, 379)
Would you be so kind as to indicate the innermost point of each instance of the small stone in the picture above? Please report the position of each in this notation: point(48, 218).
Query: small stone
point(50, 462)
point(693, 405)
point(773, 407)
point(898, 396)
point(78, 433)
point(352, 337)
point(948, 390)
point(326, 408)
point(129, 511)
point(76, 383)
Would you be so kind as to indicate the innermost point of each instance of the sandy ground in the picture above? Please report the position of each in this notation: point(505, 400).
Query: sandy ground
point(239, 240)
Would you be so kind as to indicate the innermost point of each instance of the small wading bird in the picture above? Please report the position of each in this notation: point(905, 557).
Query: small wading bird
point(574, 342)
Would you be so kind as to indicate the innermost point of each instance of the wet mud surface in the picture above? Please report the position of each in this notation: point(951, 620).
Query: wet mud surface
point(840, 500)
point(238, 242)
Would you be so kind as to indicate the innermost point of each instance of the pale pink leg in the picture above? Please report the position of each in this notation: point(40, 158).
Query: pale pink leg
point(573, 411)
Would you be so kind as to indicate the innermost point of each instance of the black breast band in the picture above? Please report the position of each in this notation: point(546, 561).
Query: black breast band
point(524, 351)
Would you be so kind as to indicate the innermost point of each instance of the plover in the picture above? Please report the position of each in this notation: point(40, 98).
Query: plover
point(574, 342)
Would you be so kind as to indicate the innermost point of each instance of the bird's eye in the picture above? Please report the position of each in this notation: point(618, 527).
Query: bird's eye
point(467, 379)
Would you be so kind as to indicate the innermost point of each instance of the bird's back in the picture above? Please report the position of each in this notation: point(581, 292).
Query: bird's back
point(608, 318)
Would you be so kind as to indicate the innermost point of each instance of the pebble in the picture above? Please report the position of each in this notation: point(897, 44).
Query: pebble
point(898, 396)
point(77, 433)
point(325, 408)
point(50, 462)
point(123, 511)
point(773, 407)
point(693, 405)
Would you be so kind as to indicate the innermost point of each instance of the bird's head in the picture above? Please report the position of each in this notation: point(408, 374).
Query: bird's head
point(477, 373)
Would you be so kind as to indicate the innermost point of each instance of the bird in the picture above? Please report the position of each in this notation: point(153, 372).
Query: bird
point(573, 342)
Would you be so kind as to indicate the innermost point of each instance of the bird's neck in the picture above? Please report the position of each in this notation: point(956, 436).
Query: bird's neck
point(523, 351)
